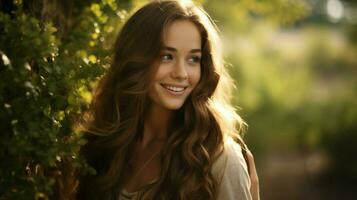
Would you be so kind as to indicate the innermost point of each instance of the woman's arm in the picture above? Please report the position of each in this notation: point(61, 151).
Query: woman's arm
point(254, 188)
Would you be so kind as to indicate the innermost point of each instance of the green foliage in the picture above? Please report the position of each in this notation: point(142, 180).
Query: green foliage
point(47, 66)
point(239, 15)
point(292, 88)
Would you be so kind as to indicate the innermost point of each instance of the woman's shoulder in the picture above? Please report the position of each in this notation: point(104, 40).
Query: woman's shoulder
point(231, 172)
point(230, 155)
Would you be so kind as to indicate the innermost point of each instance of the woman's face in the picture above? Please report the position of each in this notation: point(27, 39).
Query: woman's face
point(179, 66)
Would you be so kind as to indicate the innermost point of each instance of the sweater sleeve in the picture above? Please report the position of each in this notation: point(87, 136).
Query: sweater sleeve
point(230, 170)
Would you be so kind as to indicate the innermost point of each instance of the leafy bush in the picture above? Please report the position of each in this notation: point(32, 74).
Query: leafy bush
point(51, 54)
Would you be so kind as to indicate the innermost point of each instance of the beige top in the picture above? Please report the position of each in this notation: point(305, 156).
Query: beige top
point(230, 170)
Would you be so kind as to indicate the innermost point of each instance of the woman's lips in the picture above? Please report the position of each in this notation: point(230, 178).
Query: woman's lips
point(174, 89)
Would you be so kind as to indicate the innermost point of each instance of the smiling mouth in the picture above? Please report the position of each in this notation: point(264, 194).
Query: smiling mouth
point(174, 89)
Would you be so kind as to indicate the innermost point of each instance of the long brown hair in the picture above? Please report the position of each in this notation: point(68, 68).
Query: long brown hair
point(116, 117)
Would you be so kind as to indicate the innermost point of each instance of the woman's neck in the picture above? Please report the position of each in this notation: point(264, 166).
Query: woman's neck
point(156, 124)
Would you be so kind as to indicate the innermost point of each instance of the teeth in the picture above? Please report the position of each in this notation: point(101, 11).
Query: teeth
point(175, 89)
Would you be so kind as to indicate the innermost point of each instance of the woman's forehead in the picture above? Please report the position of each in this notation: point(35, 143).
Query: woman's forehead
point(182, 34)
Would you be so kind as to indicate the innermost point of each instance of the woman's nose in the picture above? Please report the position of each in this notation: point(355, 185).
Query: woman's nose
point(180, 71)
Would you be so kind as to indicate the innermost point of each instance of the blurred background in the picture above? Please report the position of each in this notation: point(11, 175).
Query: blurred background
point(294, 63)
point(295, 66)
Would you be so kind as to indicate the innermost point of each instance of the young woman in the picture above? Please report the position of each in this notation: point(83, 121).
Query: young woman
point(160, 124)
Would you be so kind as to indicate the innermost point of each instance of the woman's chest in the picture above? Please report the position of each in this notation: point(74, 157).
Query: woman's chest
point(143, 169)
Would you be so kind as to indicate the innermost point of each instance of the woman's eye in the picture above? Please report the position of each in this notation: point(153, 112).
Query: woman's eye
point(166, 57)
point(195, 59)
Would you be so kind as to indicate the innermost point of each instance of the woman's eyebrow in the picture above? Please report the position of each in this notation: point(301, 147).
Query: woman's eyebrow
point(167, 48)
